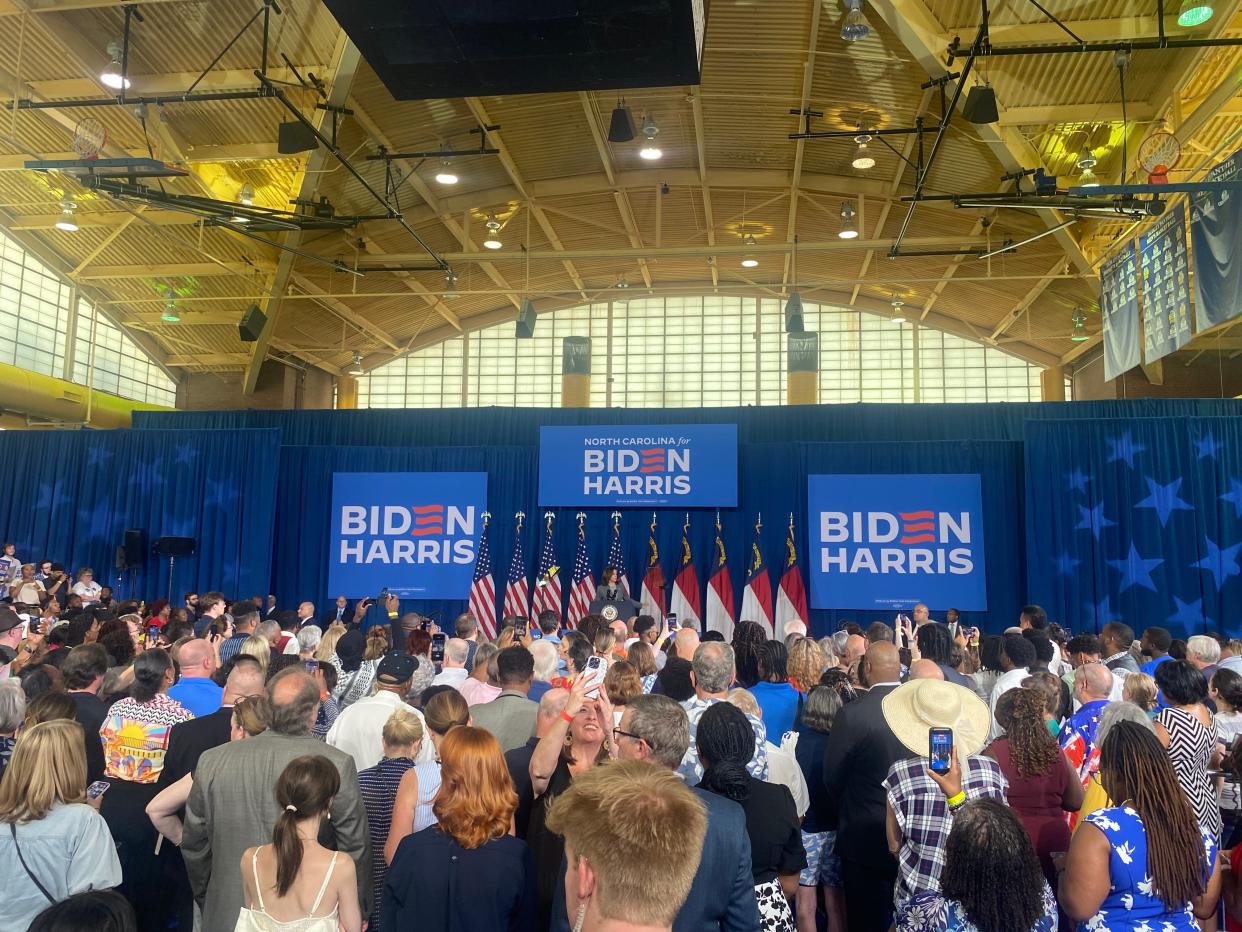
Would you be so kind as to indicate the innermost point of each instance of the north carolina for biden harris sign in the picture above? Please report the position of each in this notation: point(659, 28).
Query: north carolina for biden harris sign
point(415, 533)
point(690, 465)
point(890, 541)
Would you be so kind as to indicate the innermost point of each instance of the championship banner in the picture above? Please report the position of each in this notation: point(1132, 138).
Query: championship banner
point(414, 533)
point(1119, 312)
point(885, 542)
point(1166, 285)
point(678, 465)
point(1215, 218)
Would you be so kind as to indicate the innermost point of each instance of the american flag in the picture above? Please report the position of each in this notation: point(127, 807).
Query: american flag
point(614, 552)
point(583, 588)
point(483, 588)
point(517, 590)
point(547, 596)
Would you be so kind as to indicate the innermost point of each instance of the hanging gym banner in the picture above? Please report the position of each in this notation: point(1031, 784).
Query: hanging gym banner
point(1215, 219)
point(639, 466)
point(885, 542)
point(1166, 285)
point(413, 533)
point(1119, 313)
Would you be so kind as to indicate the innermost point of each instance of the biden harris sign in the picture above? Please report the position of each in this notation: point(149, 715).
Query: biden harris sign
point(677, 465)
point(414, 533)
point(890, 541)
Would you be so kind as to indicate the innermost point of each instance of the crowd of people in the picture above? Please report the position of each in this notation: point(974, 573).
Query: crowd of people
point(228, 766)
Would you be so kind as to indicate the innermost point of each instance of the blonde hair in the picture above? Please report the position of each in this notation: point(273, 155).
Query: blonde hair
point(258, 648)
point(1140, 689)
point(806, 663)
point(378, 642)
point(48, 766)
point(402, 729)
point(251, 714)
point(641, 830)
point(745, 700)
point(327, 646)
point(605, 641)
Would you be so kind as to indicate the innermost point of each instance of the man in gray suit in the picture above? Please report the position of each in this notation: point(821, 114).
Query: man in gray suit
point(511, 715)
point(233, 805)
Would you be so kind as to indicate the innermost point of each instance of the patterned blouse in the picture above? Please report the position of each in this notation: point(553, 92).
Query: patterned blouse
point(932, 912)
point(379, 791)
point(135, 737)
point(1191, 744)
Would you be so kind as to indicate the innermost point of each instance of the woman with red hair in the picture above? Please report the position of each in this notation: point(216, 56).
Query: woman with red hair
point(466, 873)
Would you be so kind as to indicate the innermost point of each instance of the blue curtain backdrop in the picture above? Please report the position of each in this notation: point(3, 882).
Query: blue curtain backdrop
point(1137, 520)
point(773, 484)
point(470, 427)
point(69, 496)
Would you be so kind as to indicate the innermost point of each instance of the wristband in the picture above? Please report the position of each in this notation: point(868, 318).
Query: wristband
point(392, 614)
point(566, 717)
point(955, 801)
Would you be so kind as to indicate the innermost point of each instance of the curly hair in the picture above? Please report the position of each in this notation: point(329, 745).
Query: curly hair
point(806, 664)
point(991, 868)
point(1032, 748)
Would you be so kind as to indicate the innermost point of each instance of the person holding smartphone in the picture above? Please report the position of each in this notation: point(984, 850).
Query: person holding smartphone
point(946, 727)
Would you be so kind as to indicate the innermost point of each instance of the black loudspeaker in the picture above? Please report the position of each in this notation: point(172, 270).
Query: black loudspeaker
point(175, 546)
point(980, 107)
point(135, 547)
point(292, 138)
point(526, 321)
point(251, 324)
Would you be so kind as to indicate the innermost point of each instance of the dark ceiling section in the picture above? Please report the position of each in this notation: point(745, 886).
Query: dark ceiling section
point(470, 48)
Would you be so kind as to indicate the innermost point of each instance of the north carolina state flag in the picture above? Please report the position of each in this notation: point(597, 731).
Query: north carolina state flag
point(652, 600)
point(757, 596)
point(790, 594)
point(686, 597)
point(720, 614)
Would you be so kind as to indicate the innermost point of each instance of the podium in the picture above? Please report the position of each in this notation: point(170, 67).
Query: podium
point(621, 607)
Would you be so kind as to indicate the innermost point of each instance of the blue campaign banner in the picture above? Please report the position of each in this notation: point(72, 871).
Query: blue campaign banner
point(633, 466)
point(887, 542)
point(414, 533)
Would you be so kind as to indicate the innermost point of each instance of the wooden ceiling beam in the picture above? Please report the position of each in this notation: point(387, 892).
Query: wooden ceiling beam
point(343, 311)
point(102, 273)
point(1043, 115)
point(171, 84)
point(705, 188)
point(1028, 299)
point(218, 360)
point(511, 169)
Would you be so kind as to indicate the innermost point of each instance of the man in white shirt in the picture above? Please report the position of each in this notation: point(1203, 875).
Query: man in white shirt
point(359, 729)
point(454, 672)
point(1017, 655)
point(10, 567)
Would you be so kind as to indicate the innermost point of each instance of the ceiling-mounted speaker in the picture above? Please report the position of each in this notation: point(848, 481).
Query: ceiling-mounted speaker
point(250, 327)
point(526, 321)
point(295, 137)
point(621, 128)
point(981, 105)
point(793, 314)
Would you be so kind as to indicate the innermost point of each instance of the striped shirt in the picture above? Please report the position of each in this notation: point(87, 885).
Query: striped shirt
point(379, 792)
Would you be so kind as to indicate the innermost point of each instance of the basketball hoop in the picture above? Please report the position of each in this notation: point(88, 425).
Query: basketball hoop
point(89, 138)
point(1158, 154)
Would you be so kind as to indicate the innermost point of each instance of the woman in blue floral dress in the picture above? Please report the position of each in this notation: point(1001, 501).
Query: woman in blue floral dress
point(991, 881)
point(1144, 865)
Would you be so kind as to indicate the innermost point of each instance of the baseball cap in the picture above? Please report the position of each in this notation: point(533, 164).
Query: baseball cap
point(396, 667)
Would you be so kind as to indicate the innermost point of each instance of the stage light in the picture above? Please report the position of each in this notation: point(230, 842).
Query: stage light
point(493, 233)
point(650, 151)
point(849, 222)
point(855, 25)
point(1079, 333)
point(246, 195)
point(446, 175)
point(67, 223)
point(621, 128)
point(749, 261)
point(863, 159)
point(355, 367)
point(1194, 13)
point(111, 75)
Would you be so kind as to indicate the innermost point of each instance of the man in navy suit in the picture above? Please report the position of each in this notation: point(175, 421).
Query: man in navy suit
point(857, 757)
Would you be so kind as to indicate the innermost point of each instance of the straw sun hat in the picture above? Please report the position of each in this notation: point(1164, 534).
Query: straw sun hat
point(914, 707)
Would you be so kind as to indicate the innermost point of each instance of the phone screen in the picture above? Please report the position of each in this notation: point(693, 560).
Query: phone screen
point(437, 647)
point(940, 742)
point(312, 667)
point(97, 789)
point(671, 620)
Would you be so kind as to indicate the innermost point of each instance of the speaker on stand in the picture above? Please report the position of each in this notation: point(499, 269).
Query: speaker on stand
point(173, 547)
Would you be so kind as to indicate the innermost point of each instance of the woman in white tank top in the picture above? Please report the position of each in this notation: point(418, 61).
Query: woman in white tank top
point(295, 884)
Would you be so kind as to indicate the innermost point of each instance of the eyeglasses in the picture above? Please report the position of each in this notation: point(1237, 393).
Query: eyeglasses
point(618, 734)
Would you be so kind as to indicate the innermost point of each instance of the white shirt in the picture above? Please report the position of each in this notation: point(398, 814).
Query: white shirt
point(292, 649)
point(1005, 682)
point(88, 591)
point(359, 729)
point(783, 770)
point(26, 592)
point(450, 676)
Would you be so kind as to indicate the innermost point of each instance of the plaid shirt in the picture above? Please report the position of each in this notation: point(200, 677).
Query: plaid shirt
point(924, 819)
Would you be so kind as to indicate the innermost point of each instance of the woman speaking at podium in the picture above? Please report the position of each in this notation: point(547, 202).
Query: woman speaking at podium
point(610, 586)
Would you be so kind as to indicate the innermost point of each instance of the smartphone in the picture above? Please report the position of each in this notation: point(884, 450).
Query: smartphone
point(671, 620)
point(312, 666)
point(97, 789)
point(383, 594)
point(593, 675)
point(153, 631)
point(940, 749)
point(425, 624)
point(437, 647)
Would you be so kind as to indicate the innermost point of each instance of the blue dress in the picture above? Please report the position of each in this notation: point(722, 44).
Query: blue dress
point(932, 912)
point(1131, 906)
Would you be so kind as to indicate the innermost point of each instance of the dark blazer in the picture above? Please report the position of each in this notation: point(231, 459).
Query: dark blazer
point(90, 714)
point(330, 615)
point(518, 762)
point(722, 897)
point(859, 752)
point(436, 885)
point(188, 740)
